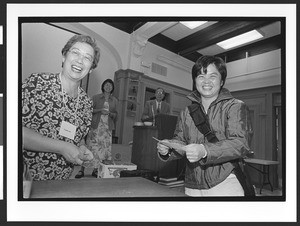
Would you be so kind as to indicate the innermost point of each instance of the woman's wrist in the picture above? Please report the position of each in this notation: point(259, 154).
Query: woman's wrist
point(166, 156)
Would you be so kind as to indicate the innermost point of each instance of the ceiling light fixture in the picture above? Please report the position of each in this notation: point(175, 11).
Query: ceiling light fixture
point(192, 24)
point(240, 39)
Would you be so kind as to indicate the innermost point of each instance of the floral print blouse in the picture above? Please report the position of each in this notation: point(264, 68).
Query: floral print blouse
point(44, 107)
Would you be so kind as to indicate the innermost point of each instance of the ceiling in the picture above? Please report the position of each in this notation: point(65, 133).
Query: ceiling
point(192, 43)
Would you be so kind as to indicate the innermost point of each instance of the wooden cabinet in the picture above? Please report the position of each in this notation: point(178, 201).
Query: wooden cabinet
point(144, 147)
point(144, 153)
point(133, 89)
point(127, 90)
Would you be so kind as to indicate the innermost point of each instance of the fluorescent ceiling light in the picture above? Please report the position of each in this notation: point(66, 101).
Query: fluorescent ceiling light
point(192, 24)
point(240, 39)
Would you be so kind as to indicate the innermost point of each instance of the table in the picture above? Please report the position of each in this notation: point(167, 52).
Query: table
point(104, 187)
point(265, 169)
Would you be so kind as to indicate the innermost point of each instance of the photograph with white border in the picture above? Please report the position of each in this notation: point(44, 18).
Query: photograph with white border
point(105, 210)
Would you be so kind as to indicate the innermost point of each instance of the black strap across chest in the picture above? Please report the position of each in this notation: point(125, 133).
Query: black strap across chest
point(202, 124)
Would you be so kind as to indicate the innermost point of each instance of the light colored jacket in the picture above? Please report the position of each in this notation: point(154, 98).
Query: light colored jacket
point(98, 102)
point(229, 119)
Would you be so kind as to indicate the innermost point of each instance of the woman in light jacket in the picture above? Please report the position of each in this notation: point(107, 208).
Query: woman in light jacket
point(209, 166)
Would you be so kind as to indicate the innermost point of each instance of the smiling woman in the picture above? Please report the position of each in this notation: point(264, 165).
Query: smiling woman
point(210, 164)
point(55, 125)
point(76, 66)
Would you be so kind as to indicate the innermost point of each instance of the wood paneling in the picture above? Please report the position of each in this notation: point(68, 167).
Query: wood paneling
point(262, 108)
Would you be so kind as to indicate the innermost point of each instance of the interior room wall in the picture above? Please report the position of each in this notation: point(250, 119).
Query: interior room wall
point(42, 44)
point(41, 48)
point(178, 68)
point(259, 71)
point(41, 52)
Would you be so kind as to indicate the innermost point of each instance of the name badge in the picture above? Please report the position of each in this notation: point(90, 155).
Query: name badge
point(67, 130)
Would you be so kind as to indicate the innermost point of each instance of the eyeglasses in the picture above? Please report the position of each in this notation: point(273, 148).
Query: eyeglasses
point(77, 53)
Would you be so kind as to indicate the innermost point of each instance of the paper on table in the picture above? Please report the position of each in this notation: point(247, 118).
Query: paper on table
point(175, 146)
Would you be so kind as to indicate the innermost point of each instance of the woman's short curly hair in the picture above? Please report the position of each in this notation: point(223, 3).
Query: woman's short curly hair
point(84, 39)
point(202, 64)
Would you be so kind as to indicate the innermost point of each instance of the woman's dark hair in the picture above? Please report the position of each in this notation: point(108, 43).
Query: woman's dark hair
point(83, 39)
point(108, 81)
point(202, 64)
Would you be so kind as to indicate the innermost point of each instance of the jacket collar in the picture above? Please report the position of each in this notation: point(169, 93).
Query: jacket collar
point(223, 95)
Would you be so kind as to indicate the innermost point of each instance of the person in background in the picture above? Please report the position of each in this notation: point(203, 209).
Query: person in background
point(209, 170)
point(99, 139)
point(156, 106)
point(57, 113)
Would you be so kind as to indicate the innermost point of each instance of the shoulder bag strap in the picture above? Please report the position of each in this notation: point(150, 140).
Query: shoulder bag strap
point(202, 124)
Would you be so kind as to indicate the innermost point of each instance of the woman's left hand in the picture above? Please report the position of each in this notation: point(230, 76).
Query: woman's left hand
point(195, 152)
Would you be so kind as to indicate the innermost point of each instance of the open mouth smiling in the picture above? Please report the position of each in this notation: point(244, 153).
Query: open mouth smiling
point(76, 68)
point(207, 87)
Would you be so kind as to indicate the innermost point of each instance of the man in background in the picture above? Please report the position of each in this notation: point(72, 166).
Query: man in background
point(156, 106)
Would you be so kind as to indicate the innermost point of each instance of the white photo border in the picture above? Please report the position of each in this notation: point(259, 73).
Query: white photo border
point(150, 211)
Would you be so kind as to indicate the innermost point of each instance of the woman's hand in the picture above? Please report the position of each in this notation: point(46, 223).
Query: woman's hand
point(104, 111)
point(162, 149)
point(77, 155)
point(85, 154)
point(195, 152)
point(72, 153)
point(35, 141)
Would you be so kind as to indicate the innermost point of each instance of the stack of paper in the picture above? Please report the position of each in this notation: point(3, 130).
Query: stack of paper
point(171, 182)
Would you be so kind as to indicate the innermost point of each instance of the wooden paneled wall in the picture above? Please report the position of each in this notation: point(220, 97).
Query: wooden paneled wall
point(262, 104)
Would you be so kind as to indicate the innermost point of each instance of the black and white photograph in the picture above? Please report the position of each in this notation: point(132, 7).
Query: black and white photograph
point(124, 107)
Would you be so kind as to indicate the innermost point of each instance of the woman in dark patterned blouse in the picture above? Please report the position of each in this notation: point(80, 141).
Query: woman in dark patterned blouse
point(57, 113)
